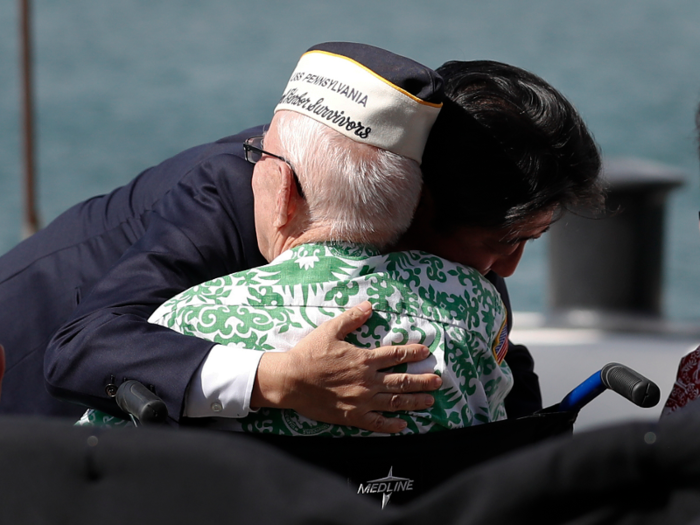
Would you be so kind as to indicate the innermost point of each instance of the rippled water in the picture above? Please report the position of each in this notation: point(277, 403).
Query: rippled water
point(122, 85)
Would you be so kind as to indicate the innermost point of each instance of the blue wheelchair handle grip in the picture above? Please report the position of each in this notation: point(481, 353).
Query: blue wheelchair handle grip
point(139, 402)
point(619, 378)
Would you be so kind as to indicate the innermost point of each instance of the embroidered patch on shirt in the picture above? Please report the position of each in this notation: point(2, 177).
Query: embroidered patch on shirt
point(500, 345)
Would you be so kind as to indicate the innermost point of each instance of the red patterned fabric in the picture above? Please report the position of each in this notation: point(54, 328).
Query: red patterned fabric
point(687, 386)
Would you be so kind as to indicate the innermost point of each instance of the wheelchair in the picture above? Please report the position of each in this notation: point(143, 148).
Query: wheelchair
point(399, 469)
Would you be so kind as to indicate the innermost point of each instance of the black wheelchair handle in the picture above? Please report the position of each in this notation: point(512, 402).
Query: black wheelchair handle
point(630, 384)
point(138, 401)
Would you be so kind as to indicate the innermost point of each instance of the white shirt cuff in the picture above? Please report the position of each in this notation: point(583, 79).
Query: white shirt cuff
point(223, 384)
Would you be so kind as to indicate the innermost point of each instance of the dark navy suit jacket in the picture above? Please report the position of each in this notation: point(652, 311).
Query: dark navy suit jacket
point(94, 275)
point(76, 296)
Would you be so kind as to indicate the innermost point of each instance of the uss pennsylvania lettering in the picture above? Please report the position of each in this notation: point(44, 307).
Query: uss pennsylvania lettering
point(336, 86)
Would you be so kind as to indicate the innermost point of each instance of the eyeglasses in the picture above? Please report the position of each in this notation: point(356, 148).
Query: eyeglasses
point(254, 152)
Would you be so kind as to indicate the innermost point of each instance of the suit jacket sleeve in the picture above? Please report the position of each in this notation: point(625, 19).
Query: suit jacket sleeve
point(202, 228)
point(525, 397)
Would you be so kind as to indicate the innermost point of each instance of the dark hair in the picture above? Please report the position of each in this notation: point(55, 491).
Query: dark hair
point(506, 145)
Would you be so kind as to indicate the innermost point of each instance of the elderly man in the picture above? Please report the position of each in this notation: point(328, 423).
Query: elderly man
point(86, 284)
point(321, 219)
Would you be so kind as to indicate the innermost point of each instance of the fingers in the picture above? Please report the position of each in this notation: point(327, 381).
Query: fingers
point(335, 382)
point(388, 356)
point(378, 423)
point(407, 383)
point(403, 402)
point(349, 320)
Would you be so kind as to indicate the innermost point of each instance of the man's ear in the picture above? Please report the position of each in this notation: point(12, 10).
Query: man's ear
point(288, 198)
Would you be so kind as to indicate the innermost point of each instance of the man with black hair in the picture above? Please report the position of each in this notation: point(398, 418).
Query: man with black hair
point(507, 156)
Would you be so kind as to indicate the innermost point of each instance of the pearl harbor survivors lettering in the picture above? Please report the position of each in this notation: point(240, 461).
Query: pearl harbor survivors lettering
point(339, 118)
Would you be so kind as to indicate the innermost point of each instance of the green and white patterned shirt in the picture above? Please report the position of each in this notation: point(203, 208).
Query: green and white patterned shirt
point(416, 298)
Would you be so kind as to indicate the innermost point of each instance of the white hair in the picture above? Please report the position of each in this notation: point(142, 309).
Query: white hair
point(361, 193)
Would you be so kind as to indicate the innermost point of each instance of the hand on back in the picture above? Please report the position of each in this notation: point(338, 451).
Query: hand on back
point(327, 379)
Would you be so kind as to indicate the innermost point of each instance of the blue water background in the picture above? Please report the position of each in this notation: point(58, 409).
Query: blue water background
point(122, 85)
